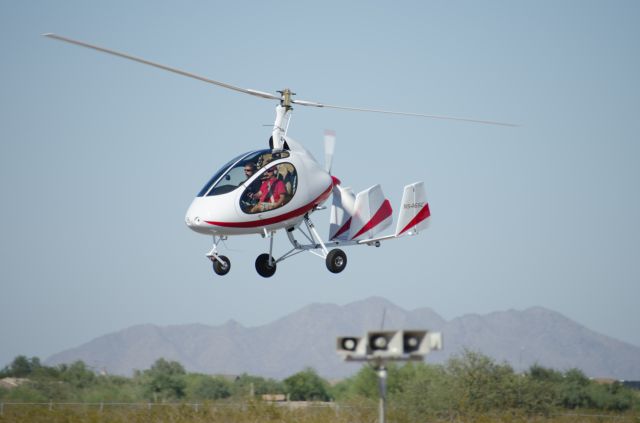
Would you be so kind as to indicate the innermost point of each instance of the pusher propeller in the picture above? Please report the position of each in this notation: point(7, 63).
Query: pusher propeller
point(329, 149)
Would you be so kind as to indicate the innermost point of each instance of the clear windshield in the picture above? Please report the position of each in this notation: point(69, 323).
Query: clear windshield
point(238, 171)
point(217, 175)
point(273, 188)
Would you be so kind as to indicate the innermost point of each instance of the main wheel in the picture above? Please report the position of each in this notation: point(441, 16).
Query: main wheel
point(336, 260)
point(222, 268)
point(262, 266)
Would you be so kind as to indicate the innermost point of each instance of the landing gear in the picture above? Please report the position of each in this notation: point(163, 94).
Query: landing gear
point(263, 267)
point(336, 260)
point(266, 263)
point(221, 265)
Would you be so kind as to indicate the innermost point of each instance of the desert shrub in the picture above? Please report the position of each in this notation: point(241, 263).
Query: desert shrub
point(164, 381)
point(245, 384)
point(204, 387)
point(306, 386)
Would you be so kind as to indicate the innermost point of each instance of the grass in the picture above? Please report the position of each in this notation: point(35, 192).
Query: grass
point(257, 412)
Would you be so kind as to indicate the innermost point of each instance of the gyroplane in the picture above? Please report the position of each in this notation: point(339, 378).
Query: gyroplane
point(280, 186)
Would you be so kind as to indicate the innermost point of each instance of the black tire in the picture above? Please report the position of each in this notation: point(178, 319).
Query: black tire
point(222, 268)
point(262, 266)
point(336, 260)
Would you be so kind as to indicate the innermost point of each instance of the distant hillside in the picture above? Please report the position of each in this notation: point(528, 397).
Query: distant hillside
point(307, 338)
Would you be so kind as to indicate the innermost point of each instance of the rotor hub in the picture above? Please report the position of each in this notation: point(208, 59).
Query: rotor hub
point(285, 100)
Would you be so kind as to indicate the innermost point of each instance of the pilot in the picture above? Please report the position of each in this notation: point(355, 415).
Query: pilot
point(272, 192)
point(249, 169)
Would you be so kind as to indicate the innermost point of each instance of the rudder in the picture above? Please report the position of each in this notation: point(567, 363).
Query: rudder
point(373, 213)
point(414, 211)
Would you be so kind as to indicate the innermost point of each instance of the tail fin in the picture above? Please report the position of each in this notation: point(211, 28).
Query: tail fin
point(414, 212)
point(358, 217)
point(342, 210)
point(373, 213)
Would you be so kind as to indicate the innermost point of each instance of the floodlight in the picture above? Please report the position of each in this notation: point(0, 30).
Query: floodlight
point(385, 343)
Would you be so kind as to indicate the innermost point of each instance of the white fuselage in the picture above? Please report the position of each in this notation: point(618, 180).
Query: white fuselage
point(228, 213)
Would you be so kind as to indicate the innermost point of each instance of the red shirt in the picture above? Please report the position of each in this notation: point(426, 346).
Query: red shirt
point(271, 190)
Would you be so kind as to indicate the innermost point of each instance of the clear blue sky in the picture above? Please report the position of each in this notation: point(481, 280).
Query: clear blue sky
point(100, 158)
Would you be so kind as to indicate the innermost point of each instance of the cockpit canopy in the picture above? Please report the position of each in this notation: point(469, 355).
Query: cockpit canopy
point(239, 170)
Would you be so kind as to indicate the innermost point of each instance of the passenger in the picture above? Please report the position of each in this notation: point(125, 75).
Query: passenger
point(272, 193)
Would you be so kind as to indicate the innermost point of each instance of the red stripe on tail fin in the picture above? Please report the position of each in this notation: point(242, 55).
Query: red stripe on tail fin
point(423, 214)
point(383, 212)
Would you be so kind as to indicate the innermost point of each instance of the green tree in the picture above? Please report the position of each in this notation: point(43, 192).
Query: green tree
point(165, 380)
point(78, 375)
point(307, 386)
point(363, 384)
point(610, 397)
point(543, 374)
point(21, 366)
point(478, 384)
point(538, 390)
point(110, 388)
point(245, 385)
point(425, 392)
point(205, 387)
point(573, 389)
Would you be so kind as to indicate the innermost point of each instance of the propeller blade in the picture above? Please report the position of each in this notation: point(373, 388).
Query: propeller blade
point(329, 148)
point(391, 112)
point(163, 67)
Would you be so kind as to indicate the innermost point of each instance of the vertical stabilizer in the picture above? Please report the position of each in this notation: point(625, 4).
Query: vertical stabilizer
point(414, 210)
point(373, 214)
point(342, 209)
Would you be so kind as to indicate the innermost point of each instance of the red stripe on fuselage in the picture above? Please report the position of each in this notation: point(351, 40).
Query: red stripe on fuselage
point(276, 219)
point(383, 212)
point(423, 214)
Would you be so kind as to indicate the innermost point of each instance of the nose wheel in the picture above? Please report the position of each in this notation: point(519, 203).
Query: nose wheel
point(336, 260)
point(263, 267)
point(221, 265)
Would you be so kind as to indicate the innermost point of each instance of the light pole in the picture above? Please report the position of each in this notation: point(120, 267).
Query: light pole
point(382, 385)
point(379, 347)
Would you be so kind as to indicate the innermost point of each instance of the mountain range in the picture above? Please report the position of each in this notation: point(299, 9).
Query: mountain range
point(307, 337)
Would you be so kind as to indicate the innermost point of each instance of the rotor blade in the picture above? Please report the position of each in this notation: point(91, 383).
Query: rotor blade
point(163, 67)
point(390, 112)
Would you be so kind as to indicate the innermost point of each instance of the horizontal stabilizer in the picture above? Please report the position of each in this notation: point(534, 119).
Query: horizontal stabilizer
point(414, 211)
point(372, 214)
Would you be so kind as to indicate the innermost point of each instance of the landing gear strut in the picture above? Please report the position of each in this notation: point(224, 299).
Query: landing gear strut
point(266, 263)
point(221, 264)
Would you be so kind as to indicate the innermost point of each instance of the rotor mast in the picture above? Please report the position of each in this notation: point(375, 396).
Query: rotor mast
point(283, 114)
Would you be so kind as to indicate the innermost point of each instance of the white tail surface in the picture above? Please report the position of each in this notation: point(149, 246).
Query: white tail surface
point(414, 211)
point(373, 214)
point(342, 208)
